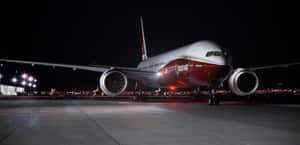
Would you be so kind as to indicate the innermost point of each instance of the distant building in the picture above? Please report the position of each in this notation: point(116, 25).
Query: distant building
point(7, 90)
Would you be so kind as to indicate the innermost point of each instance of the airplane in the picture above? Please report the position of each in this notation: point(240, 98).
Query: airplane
point(203, 63)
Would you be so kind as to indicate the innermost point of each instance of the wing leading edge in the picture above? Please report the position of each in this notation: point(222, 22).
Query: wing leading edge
point(74, 67)
point(274, 66)
point(132, 73)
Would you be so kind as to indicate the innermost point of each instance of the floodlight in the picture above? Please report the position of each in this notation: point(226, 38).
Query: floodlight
point(30, 79)
point(14, 80)
point(24, 76)
point(23, 83)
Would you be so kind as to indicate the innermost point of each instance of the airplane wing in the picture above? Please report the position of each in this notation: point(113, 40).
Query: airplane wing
point(132, 73)
point(274, 66)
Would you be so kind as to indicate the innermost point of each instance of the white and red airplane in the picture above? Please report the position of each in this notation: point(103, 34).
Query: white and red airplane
point(202, 63)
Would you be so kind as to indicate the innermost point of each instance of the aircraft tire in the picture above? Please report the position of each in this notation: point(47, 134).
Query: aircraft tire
point(135, 98)
point(210, 101)
point(216, 101)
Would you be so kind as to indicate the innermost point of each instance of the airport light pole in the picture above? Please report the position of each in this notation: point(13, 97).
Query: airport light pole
point(30, 86)
point(31, 81)
point(1, 76)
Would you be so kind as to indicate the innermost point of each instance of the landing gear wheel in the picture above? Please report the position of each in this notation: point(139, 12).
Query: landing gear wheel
point(210, 101)
point(135, 98)
point(213, 99)
point(217, 101)
point(138, 97)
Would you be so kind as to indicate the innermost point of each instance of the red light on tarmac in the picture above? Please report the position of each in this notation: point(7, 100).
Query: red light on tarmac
point(172, 88)
point(182, 83)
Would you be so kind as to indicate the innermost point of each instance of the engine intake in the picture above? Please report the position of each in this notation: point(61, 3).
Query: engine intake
point(243, 82)
point(113, 82)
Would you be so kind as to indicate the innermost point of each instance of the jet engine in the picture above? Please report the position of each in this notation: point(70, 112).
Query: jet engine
point(243, 82)
point(113, 82)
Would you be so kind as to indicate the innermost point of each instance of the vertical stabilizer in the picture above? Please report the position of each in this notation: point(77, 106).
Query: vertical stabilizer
point(144, 50)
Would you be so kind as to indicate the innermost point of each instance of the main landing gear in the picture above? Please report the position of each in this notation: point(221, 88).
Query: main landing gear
point(139, 96)
point(213, 99)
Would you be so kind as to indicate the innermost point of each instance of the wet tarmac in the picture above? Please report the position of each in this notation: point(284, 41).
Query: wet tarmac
point(80, 122)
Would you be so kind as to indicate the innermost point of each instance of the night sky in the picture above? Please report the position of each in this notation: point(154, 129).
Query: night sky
point(108, 33)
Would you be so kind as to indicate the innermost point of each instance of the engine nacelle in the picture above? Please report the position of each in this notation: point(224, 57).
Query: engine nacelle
point(113, 82)
point(243, 82)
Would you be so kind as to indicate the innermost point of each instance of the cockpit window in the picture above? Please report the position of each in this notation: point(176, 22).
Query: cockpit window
point(216, 53)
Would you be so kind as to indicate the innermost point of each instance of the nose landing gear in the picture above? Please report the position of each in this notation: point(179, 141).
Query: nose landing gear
point(213, 99)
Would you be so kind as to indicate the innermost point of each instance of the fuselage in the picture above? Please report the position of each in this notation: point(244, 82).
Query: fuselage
point(202, 63)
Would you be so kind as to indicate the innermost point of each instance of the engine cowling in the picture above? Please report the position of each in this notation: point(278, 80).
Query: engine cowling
point(113, 82)
point(243, 82)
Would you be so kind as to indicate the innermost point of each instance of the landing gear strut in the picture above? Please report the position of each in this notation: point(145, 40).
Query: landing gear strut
point(213, 99)
point(139, 96)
